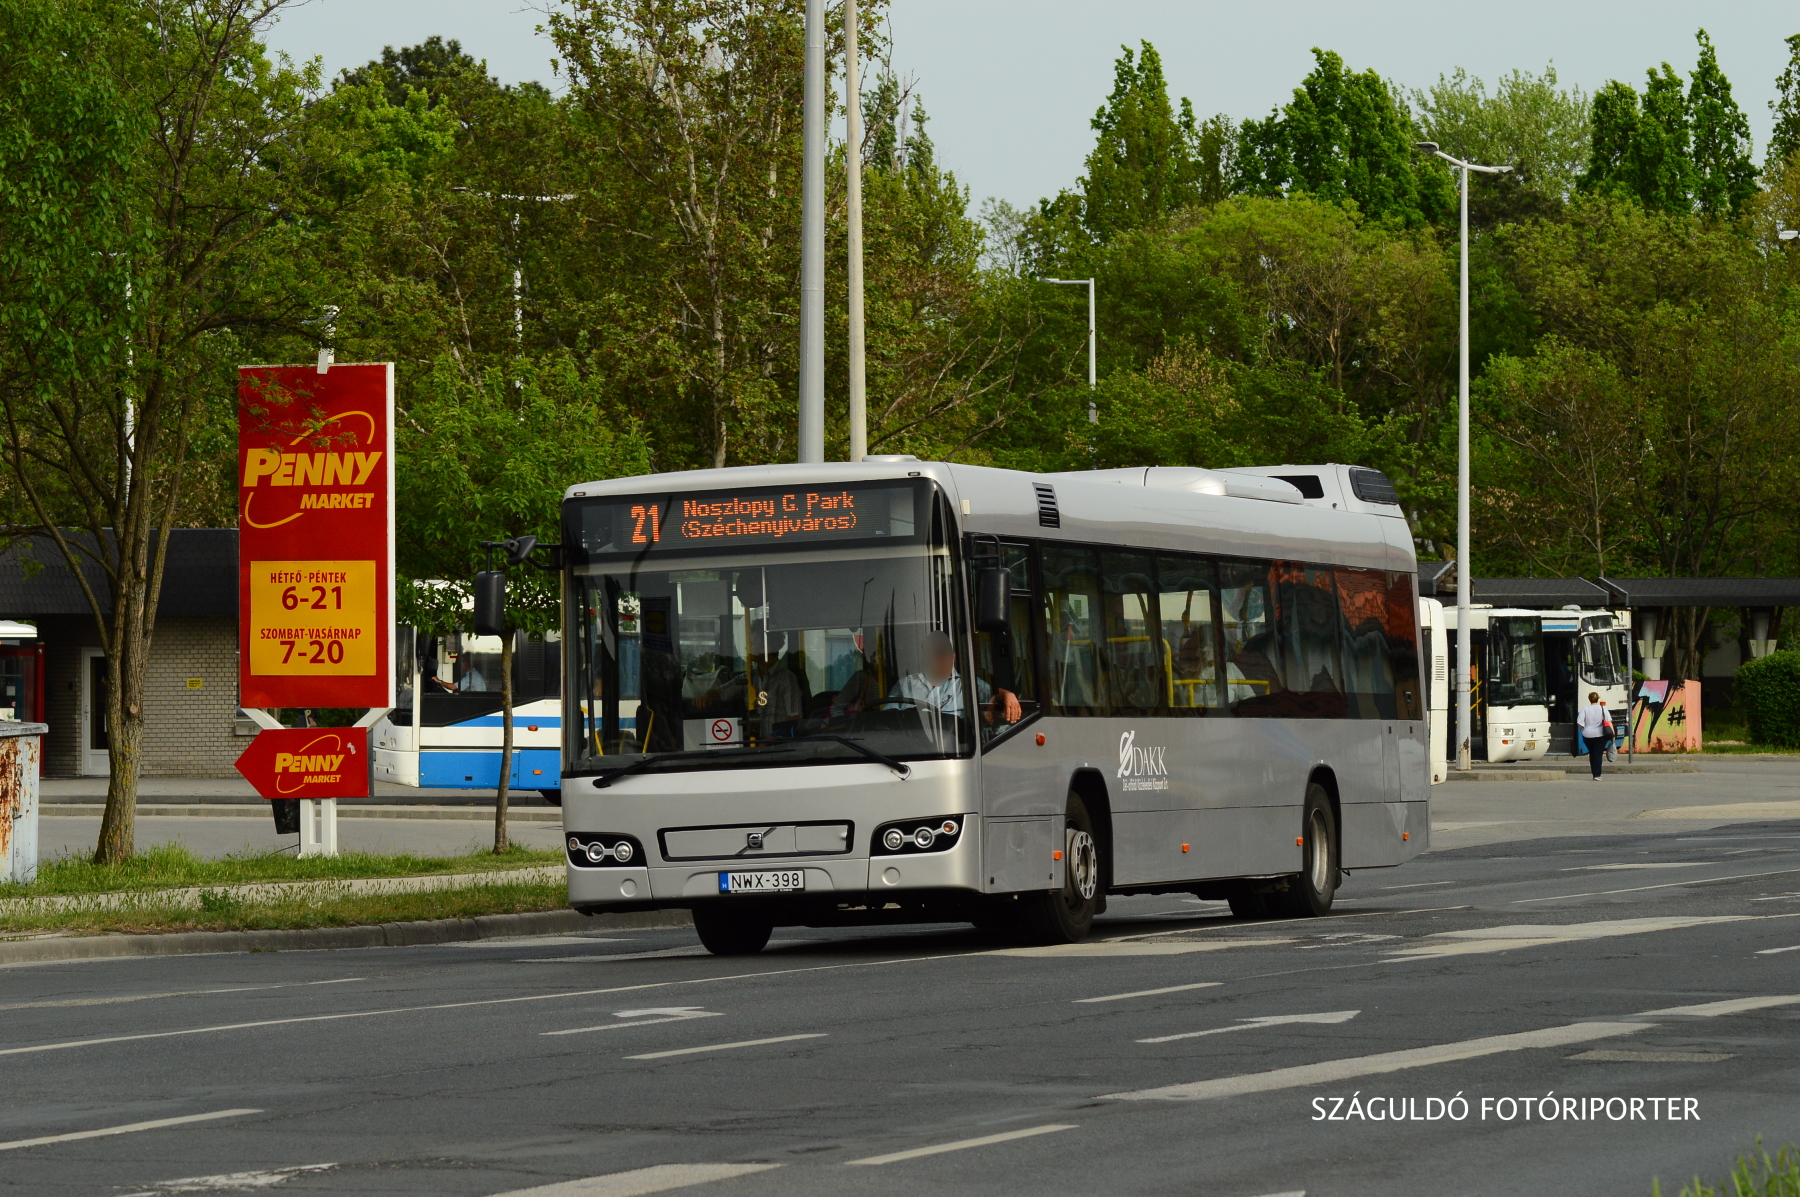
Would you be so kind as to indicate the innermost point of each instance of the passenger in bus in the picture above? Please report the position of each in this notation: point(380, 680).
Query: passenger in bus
point(940, 686)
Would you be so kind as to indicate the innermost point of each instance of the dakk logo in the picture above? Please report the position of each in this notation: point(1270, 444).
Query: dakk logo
point(1142, 768)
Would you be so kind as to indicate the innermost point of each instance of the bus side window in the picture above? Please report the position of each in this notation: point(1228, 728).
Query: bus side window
point(1368, 660)
point(1133, 653)
point(1017, 561)
point(1187, 609)
point(1075, 673)
point(1400, 619)
point(1309, 620)
point(1253, 684)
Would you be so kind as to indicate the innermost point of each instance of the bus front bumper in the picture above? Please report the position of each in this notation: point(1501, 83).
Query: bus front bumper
point(845, 879)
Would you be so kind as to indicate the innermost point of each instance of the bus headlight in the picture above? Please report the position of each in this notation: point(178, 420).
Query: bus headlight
point(574, 844)
point(622, 851)
point(907, 836)
point(923, 837)
point(596, 851)
point(588, 851)
point(894, 839)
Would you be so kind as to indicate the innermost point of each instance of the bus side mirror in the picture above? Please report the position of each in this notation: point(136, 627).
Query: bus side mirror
point(490, 603)
point(993, 596)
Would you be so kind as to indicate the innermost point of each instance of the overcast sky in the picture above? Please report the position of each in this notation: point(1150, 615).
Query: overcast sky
point(1010, 85)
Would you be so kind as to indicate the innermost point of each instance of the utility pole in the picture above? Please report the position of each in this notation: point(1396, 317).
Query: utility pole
point(812, 243)
point(1464, 729)
point(859, 402)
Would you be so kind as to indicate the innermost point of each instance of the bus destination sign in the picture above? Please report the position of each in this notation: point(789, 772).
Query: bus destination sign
point(716, 519)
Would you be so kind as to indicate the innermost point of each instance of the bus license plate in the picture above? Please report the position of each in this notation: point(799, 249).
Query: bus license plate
point(782, 882)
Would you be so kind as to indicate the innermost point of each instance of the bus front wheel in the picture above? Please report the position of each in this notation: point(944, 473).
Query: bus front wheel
point(726, 932)
point(1067, 915)
point(1310, 893)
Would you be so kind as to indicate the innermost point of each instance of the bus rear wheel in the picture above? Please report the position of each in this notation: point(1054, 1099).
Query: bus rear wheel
point(725, 932)
point(1067, 915)
point(1310, 894)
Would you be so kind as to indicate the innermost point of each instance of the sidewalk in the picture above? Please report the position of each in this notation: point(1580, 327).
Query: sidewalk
point(189, 897)
point(235, 790)
point(1723, 790)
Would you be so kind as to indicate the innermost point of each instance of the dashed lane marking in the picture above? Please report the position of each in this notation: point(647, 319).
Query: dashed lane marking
point(1618, 1057)
point(725, 1047)
point(1119, 997)
point(1661, 864)
point(126, 1129)
point(1728, 1006)
point(151, 997)
point(658, 1179)
point(639, 1019)
point(1638, 889)
point(1778, 951)
point(1270, 1020)
point(230, 1181)
point(964, 1144)
point(1139, 947)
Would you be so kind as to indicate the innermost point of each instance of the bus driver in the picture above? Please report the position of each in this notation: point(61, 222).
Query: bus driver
point(940, 686)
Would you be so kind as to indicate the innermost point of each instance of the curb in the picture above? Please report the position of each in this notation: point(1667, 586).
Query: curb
point(312, 939)
point(235, 810)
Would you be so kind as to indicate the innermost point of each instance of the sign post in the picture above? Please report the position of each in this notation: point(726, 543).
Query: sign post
point(315, 576)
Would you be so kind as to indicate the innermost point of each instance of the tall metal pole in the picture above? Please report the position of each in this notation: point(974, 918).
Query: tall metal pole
point(859, 403)
point(1463, 653)
point(1093, 412)
point(812, 243)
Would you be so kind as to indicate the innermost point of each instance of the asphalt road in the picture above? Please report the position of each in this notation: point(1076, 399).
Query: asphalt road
point(1179, 1052)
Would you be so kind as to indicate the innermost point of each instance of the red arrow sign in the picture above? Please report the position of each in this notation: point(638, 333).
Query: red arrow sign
point(308, 762)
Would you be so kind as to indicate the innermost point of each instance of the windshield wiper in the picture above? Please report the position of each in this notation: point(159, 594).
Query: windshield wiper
point(900, 767)
point(638, 766)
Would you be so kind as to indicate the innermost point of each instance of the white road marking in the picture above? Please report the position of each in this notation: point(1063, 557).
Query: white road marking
point(230, 1181)
point(128, 1128)
point(1778, 951)
point(1295, 1193)
point(668, 1014)
point(658, 1179)
point(1331, 1071)
point(1483, 940)
point(1740, 810)
point(1136, 947)
point(964, 1144)
point(1729, 1006)
point(1119, 997)
point(1668, 864)
point(1638, 889)
point(150, 997)
point(1617, 1057)
point(1272, 1020)
point(1418, 885)
point(725, 1047)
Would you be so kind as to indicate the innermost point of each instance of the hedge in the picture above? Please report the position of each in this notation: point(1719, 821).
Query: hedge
point(1769, 692)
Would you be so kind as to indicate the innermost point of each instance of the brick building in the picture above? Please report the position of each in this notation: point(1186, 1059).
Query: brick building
point(191, 728)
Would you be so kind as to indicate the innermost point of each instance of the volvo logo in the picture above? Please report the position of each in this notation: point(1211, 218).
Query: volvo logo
point(754, 840)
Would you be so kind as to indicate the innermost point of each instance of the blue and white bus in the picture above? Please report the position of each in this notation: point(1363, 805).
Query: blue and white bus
point(445, 731)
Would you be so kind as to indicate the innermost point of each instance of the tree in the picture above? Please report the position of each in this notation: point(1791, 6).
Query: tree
point(1345, 136)
point(1784, 138)
point(158, 206)
point(487, 455)
point(1542, 131)
point(1149, 162)
point(1724, 173)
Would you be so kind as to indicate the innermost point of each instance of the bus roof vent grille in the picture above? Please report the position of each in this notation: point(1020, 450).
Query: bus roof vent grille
point(1372, 486)
point(1048, 515)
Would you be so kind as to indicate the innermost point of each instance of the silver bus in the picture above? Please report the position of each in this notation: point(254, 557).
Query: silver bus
point(905, 691)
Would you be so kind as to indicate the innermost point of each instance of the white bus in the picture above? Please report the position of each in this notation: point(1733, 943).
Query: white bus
point(898, 691)
point(1508, 693)
point(1585, 653)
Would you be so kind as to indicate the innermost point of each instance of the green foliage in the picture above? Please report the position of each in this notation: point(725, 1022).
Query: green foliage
point(1528, 123)
point(1756, 1174)
point(1345, 136)
point(1676, 151)
point(487, 456)
point(1784, 139)
point(1149, 162)
point(1768, 690)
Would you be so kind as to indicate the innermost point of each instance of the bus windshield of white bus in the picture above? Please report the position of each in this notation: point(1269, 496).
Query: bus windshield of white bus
point(765, 627)
point(1515, 654)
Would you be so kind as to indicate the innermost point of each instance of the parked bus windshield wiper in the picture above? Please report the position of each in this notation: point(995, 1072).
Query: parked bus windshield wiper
point(639, 765)
point(900, 767)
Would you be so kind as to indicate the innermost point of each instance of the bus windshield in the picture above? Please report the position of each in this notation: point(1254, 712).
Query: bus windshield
point(1515, 662)
point(746, 655)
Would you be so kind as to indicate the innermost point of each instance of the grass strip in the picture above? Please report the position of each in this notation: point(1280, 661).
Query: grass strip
point(174, 866)
point(1756, 1174)
point(223, 912)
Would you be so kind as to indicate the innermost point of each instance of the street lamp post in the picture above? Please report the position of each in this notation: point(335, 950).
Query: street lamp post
point(1093, 412)
point(812, 241)
point(1463, 655)
point(859, 403)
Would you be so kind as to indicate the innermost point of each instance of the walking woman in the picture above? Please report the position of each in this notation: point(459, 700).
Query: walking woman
point(1596, 730)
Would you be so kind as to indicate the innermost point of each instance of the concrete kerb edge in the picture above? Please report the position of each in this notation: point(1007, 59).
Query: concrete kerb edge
point(308, 939)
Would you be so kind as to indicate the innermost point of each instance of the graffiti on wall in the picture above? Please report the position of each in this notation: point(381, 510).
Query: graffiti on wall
point(1666, 717)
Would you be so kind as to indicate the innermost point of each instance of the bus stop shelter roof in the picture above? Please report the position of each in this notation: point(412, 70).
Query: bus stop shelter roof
point(1538, 592)
point(1704, 592)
